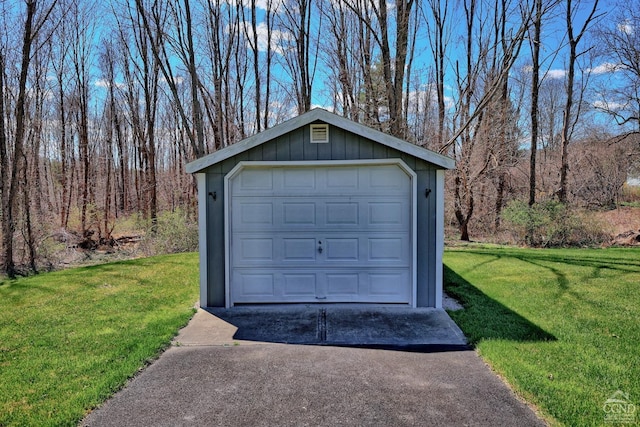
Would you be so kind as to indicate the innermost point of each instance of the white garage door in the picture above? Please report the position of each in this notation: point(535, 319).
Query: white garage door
point(320, 234)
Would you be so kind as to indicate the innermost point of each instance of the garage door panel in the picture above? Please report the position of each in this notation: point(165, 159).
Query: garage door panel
point(255, 179)
point(389, 178)
point(342, 284)
point(332, 285)
point(283, 214)
point(252, 249)
point(387, 213)
point(321, 234)
point(386, 283)
point(299, 179)
point(380, 180)
point(299, 249)
point(255, 213)
point(255, 284)
point(342, 249)
point(341, 179)
point(299, 284)
point(345, 214)
point(295, 213)
point(387, 249)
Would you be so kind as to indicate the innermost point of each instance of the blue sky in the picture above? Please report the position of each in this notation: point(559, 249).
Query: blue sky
point(553, 56)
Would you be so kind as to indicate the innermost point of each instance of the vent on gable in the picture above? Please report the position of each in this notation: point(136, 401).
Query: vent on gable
point(319, 134)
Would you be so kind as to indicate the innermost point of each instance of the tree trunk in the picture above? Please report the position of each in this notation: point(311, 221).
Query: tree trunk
point(499, 199)
point(4, 158)
point(18, 167)
point(256, 65)
point(535, 89)
point(439, 11)
point(198, 123)
point(268, 20)
point(567, 120)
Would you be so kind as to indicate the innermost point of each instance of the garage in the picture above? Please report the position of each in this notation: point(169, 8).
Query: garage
point(321, 210)
point(321, 233)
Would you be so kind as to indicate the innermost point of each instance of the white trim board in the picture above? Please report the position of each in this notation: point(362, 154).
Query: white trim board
point(202, 238)
point(324, 163)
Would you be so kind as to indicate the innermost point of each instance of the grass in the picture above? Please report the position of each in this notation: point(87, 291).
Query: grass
point(635, 204)
point(561, 326)
point(70, 339)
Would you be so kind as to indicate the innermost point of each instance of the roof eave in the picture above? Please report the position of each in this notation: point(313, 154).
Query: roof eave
point(327, 117)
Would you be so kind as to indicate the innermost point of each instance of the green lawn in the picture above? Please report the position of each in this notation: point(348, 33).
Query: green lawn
point(70, 339)
point(562, 326)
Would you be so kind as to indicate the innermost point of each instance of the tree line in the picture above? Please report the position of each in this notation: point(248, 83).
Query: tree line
point(103, 103)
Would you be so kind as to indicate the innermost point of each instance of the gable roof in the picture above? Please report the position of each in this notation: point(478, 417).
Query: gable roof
point(321, 115)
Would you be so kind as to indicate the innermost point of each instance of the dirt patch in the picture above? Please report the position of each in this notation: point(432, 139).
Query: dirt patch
point(88, 249)
point(625, 225)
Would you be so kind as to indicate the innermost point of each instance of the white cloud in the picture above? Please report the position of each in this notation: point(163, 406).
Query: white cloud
point(324, 107)
point(105, 84)
point(427, 93)
point(605, 67)
point(177, 80)
point(279, 38)
point(556, 74)
point(609, 106)
point(626, 27)
point(275, 5)
point(552, 74)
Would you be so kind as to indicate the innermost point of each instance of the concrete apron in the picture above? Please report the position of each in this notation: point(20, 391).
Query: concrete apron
point(213, 375)
point(339, 325)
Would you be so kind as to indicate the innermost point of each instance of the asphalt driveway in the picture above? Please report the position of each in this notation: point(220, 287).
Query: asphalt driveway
point(212, 378)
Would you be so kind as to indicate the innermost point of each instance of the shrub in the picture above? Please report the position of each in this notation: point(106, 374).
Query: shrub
point(174, 231)
point(552, 224)
point(630, 195)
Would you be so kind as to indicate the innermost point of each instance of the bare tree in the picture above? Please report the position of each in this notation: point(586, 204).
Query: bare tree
point(34, 22)
point(154, 21)
point(60, 65)
point(300, 49)
point(112, 133)
point(535, 90)
point(81, 55)
point(394, 66)
point(604, 162)
point(142, 74)
point(268, 21)
point(569, 118)
point(620, 42)
point(480, 80)
point(439, 35)
point(341, 51)
point(506, 140)
point(392, 35)
point(8, 224)
point(260, 38)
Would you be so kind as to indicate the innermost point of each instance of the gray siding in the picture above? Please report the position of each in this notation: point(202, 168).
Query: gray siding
point(215, 240)
point(426, 229)
point(343, 145)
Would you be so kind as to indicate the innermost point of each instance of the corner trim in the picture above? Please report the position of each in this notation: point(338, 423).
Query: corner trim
point(439, 243)
point(202, 238)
